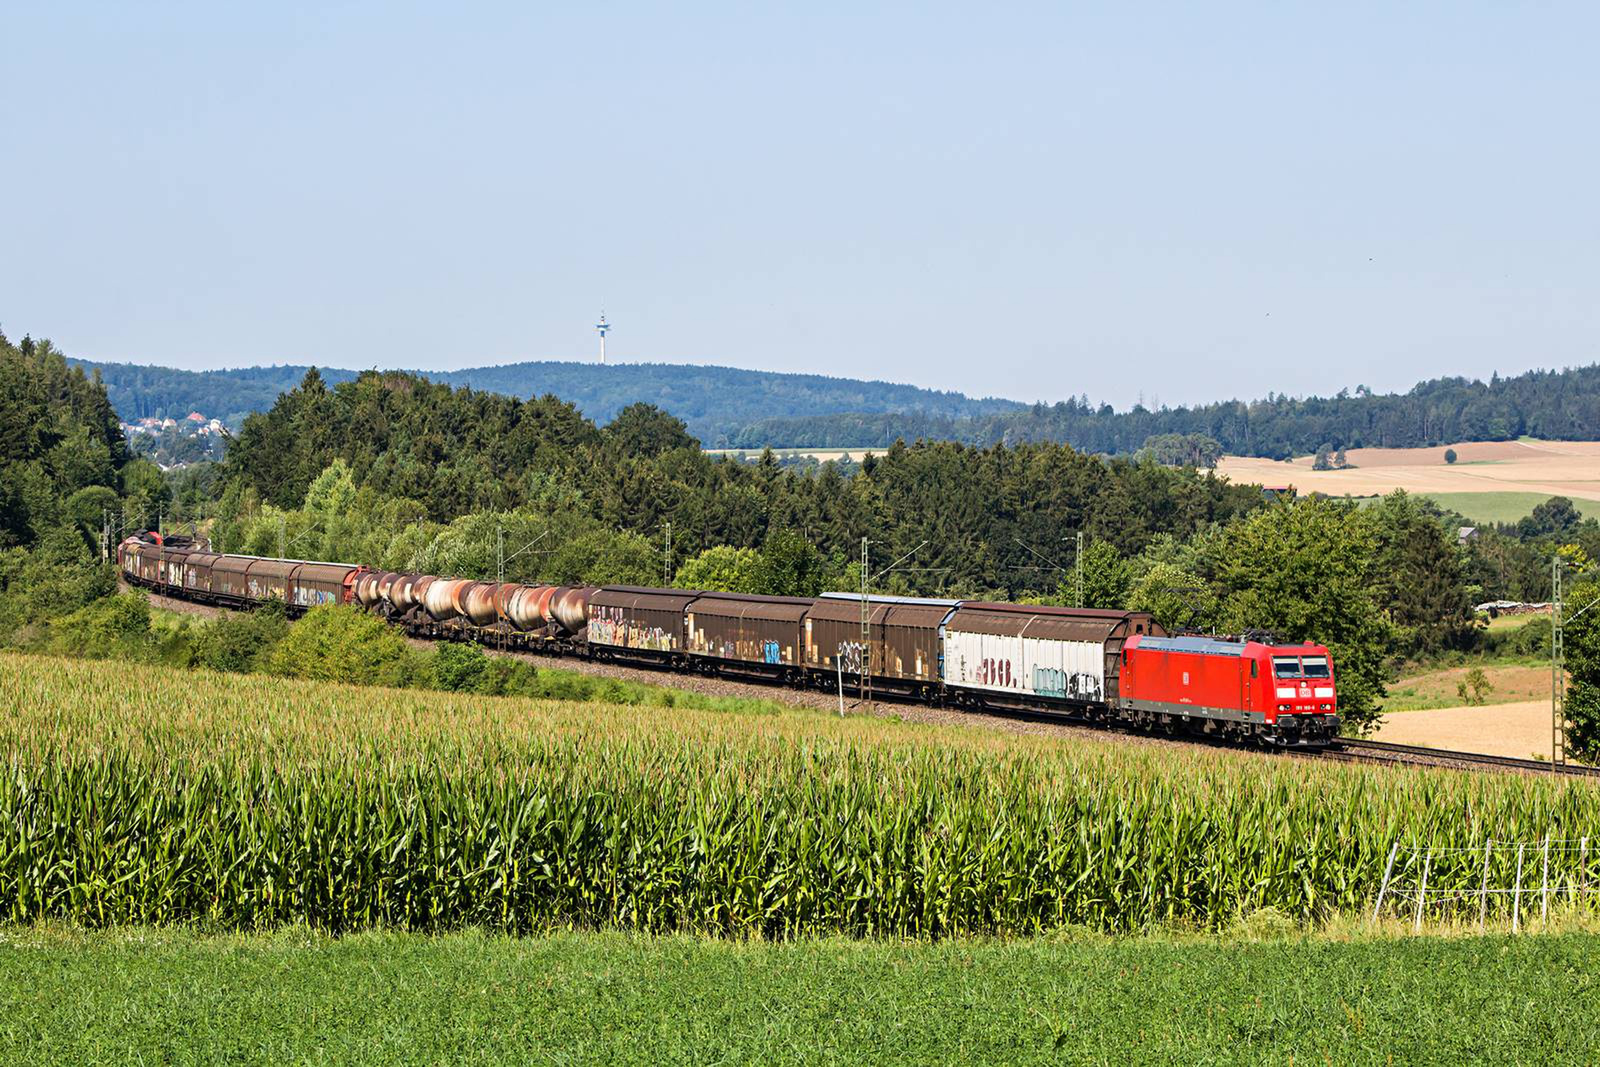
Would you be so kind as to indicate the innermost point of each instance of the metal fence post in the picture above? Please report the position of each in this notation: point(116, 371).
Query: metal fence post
point(1516, 893)
point(1422, 893)
point(1384, 886)
point(1581, 882)
point(1483, 893)
point(1544, 888)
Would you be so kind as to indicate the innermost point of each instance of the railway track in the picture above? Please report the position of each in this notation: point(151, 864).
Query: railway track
point(1360, 750)
point(1346, 750)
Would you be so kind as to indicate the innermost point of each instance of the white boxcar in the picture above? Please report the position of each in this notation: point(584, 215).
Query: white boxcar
point(1039, 654)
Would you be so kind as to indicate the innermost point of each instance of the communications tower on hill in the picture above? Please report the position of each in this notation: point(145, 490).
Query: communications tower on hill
point(603, 326)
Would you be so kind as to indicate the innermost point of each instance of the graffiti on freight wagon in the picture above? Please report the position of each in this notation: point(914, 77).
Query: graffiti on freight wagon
point(850, 656)
point(612, 626)
point(756, 651)
point(1001, 673)
point(995, 672)
point(1054, 682)
point(308, 597)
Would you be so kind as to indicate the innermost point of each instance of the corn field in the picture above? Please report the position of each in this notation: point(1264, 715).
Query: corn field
point(145, 795)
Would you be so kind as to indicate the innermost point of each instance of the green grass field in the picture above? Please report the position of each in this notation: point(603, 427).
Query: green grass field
point(1488, 508)
point(176, 997)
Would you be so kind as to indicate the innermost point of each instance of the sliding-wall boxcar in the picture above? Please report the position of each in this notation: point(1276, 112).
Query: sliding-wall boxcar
point(196, 570)
point(313, 583)
point(637, 623)
point(1018, 655)
point(757, 632)
point(142, 562)
point(903, 639)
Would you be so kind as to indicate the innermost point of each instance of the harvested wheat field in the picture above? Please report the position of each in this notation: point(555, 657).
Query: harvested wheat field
point(1527, 470)
point(1521, 729)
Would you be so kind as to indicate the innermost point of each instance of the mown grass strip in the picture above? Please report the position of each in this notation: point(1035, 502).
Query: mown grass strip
point(174, 997)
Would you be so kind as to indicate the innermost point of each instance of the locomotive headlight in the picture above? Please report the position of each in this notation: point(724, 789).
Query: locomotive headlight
point(1324, 707)
point(1285, 707)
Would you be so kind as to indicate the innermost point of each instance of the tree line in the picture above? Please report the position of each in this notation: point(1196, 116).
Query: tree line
point(1561, 405)
point(995, 520)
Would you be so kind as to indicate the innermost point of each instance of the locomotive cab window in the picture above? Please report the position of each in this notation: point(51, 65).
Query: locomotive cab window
point(1286, 667)
point(1255, 669)
point(1316, 666)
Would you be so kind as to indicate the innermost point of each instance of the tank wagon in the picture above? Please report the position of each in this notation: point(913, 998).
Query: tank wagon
point(1112, 667)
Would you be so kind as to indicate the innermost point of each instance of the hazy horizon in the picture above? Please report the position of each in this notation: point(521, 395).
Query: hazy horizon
point(1185, 204)
point(1149, 402)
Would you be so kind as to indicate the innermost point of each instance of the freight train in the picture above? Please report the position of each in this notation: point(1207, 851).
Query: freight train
point(1111, 667)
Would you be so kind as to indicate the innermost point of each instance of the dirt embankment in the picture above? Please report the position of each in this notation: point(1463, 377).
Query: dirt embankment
point(1521, 729)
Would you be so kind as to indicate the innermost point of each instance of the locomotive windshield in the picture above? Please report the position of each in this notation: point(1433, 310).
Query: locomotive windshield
point(1295, 667)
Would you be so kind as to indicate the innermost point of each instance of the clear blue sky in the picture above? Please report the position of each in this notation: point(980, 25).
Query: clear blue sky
point(1190, 201)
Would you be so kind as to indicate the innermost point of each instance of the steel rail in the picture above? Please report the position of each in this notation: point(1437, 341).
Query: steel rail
point(1355, 749)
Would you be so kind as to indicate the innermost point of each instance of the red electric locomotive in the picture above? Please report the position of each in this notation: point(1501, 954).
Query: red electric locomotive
point(1280, 694)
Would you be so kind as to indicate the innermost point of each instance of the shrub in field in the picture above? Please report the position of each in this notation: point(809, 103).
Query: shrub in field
point(145, 795)
point(1532, 638)
point(55, 577)
point(110, 626)
point(1474, 687)
point(459, 666)
point(240, 642)
point(342, 643)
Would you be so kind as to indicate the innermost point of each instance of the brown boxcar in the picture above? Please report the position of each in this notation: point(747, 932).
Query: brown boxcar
point(145, 562)
point(230, 577)
point(311, 584)
point(638, 619)
point(904, 634)
point(197, 572)
point(1020, 653)
point(142, 561)
point(763, 630)
point(268, 579)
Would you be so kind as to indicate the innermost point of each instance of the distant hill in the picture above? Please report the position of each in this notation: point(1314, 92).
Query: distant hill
point(729, 408)
point(717, 403)
point(1553, 405)
point(141, 392)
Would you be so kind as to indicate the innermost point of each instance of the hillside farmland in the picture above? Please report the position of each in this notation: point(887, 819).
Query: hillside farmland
point(1496, 481)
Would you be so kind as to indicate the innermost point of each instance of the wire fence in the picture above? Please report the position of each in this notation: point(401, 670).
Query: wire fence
point(1519, 881)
